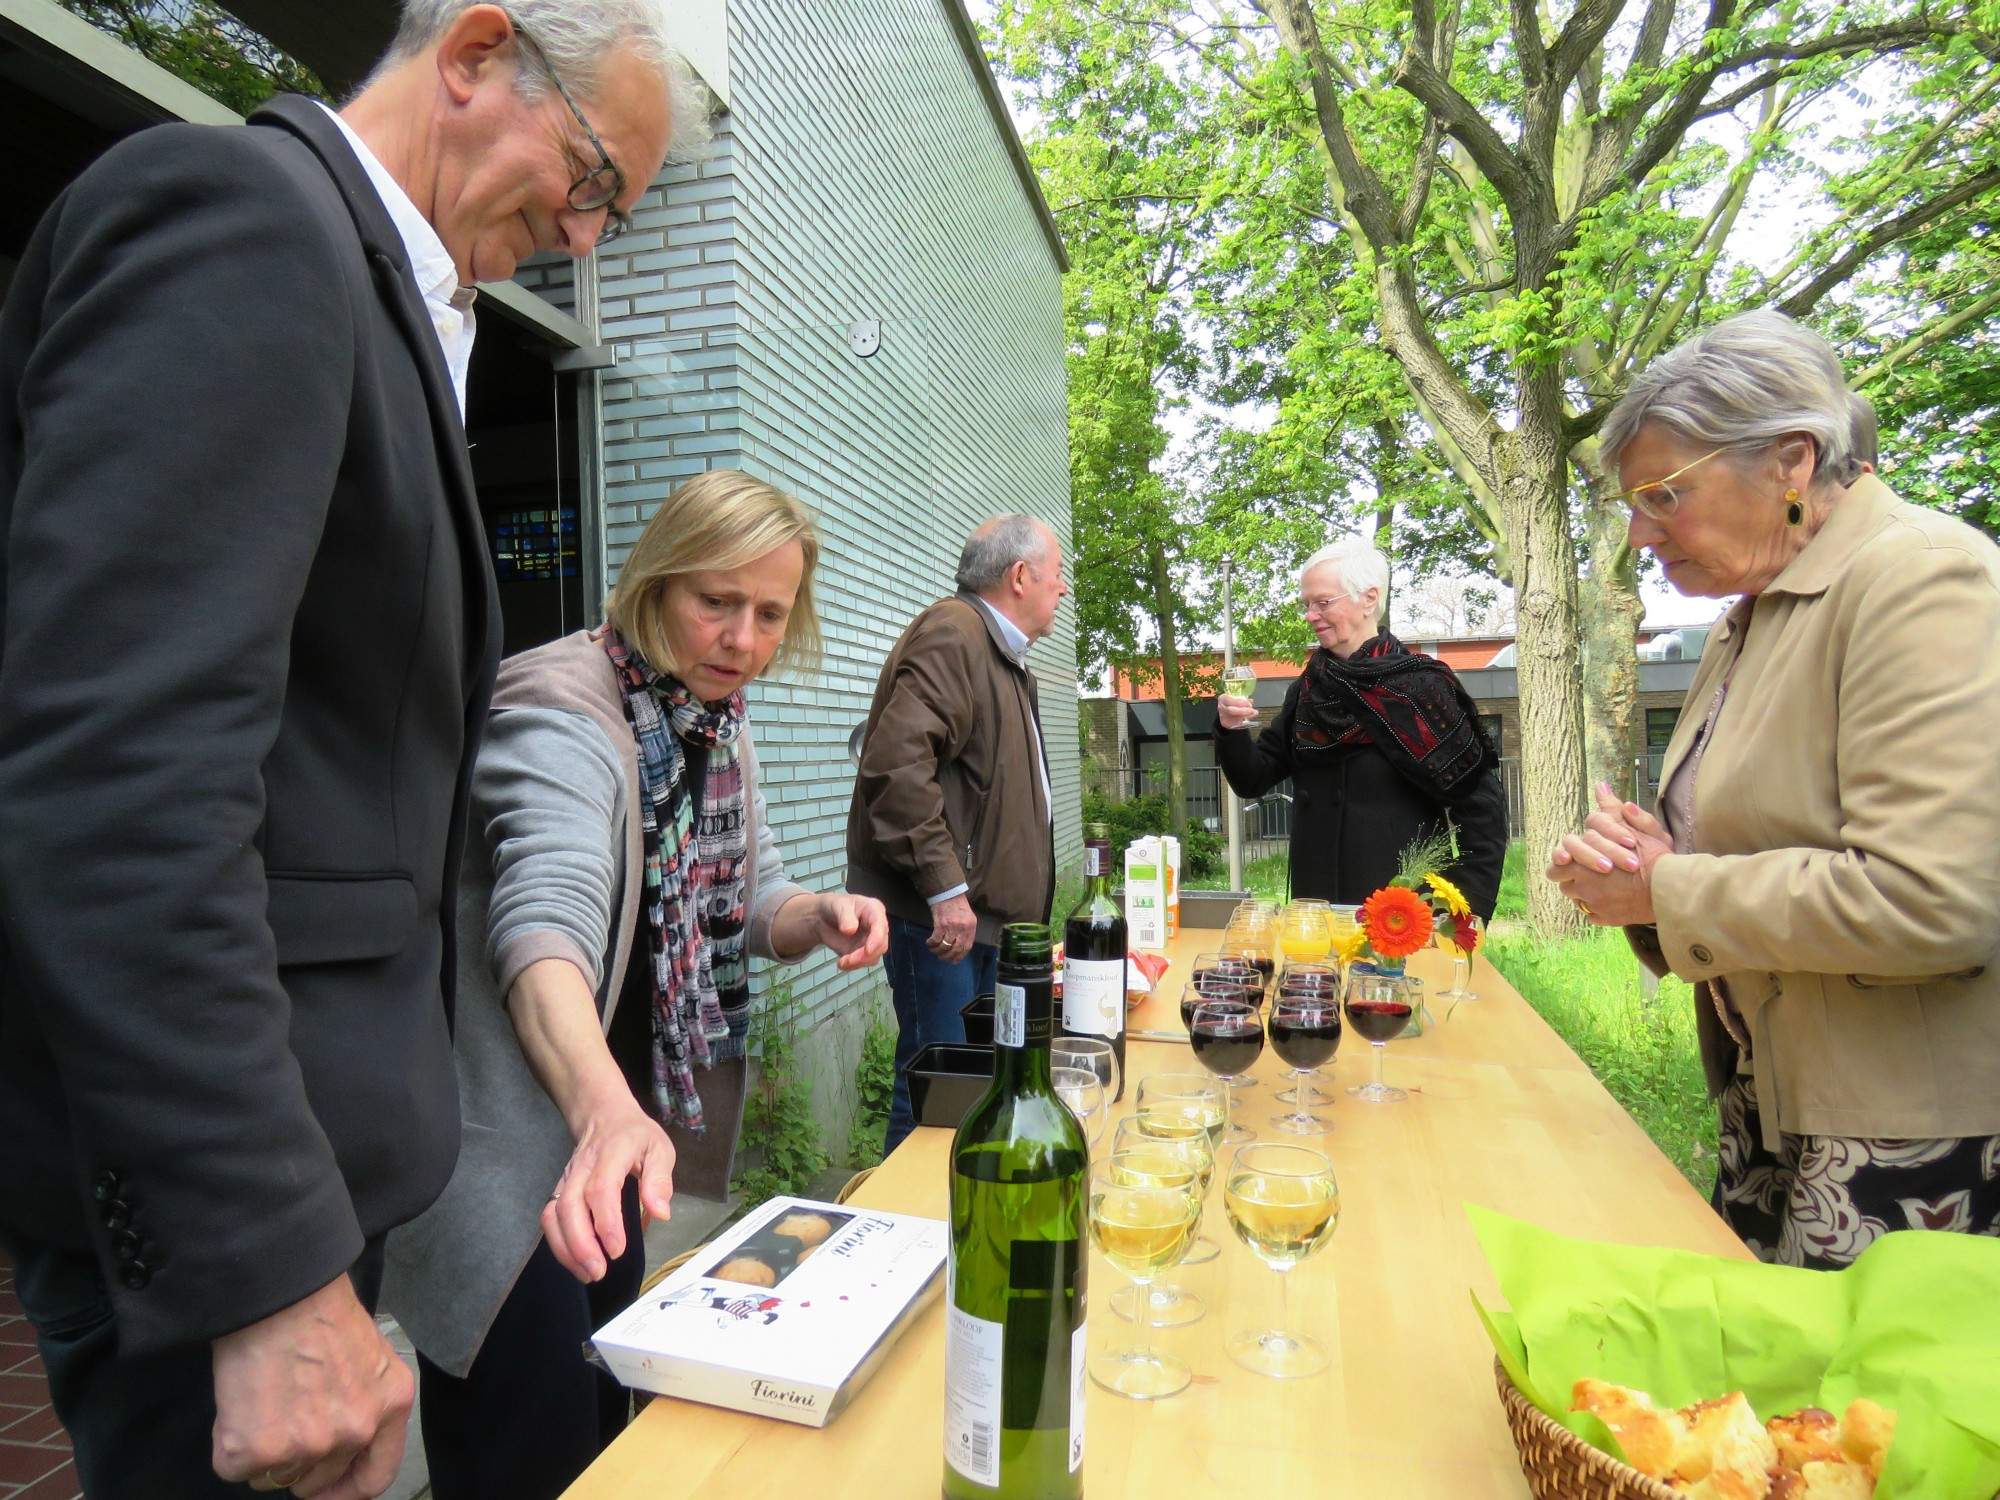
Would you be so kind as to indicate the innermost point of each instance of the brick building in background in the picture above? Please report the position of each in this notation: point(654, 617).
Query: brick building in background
point(856, 295)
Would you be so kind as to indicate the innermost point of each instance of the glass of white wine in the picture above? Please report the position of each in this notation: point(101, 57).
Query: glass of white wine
point(1168, 1304)
point(1186, 1104)
point(1241, 682)
point(1080, 1090)
point(1142, 1214)
point(1284, 1203)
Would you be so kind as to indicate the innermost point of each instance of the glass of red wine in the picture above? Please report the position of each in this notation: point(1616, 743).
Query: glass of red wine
point(1378, 1007)
point(1307, 979)
point(1228, 1038)
point(1305, 1033)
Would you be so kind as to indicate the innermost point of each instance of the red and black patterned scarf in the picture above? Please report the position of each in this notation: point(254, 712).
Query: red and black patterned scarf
point(1409, 706)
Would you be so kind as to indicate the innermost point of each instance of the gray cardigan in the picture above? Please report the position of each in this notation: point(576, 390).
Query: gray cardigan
point(552, 870)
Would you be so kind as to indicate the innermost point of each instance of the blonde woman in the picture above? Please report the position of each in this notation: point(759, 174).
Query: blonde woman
point(620, 874)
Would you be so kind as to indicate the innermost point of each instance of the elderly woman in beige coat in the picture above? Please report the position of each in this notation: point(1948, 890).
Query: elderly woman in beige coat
point(1825, 864)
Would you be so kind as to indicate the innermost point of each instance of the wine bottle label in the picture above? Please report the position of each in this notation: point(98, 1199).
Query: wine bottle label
point(1096, 858)
point(1094, 995)
point(972, 1397)
point(1010, 1015)
point(1078, 1370)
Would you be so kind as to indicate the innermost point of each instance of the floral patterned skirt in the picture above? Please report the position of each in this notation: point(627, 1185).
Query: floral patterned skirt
point(1821, 1199)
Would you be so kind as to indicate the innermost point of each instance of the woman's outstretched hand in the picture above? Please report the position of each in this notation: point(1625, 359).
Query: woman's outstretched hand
point(584, 1222)
point(855, 927)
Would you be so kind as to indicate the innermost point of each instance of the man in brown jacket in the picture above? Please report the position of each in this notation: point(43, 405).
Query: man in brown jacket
point(950, 825)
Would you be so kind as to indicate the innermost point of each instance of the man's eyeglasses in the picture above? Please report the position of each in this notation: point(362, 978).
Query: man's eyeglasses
point(603, 185)
point(1659, 499)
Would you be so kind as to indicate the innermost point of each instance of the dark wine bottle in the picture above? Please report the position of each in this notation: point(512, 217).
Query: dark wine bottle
point(1094, 954)
point(1014, 1299)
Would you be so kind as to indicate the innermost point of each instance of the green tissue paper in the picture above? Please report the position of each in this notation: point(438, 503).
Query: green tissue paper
point(1913, 1324)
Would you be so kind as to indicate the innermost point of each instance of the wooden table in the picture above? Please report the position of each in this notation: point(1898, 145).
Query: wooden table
point(1501, 1114)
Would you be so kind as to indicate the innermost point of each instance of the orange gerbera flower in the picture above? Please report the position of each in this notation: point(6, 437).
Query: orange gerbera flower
point(1398, 921)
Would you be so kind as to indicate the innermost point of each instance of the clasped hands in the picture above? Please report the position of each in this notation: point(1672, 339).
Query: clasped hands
point(1606, 867)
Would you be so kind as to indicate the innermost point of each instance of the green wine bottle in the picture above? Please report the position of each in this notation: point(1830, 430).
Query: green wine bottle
point(1094, 955)
point(1014, 1304)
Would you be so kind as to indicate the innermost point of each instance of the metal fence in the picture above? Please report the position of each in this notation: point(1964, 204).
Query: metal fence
point(1267, 820)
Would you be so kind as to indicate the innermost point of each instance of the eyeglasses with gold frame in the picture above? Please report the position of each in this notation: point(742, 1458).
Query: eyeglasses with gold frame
point(1658, 498)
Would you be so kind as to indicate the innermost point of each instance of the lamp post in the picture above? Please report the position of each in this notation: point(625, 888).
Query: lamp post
point(1232, 810)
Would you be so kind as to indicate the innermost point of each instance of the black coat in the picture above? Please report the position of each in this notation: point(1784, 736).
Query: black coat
point(250, 633)
point(1353, 813)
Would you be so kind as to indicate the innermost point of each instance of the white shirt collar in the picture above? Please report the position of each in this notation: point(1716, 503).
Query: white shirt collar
point(431, 265)
point(1015, 637)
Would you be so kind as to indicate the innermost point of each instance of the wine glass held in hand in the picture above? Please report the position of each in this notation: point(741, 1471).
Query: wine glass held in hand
point(1378, 1008)
point(1142, 1213)
point(1169, 1305)
point(1305, 1032)
point(1283, 1202)
point(1228, 1038)
point(1241, 682)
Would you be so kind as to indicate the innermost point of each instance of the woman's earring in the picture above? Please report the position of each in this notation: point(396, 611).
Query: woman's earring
point(1795, 513)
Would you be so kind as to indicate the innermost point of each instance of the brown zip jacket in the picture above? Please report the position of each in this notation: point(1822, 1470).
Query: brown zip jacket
point(949, 790)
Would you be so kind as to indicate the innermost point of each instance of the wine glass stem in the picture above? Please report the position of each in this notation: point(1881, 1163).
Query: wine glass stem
point(1379, 1049)
point(1284, 1303)
point(1142, 1318)
point(1461, 972)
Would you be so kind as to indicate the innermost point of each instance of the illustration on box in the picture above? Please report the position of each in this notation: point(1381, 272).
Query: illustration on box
point(786, 1315)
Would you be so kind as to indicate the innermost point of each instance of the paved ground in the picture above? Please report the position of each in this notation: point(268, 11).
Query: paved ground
point(34, 1450)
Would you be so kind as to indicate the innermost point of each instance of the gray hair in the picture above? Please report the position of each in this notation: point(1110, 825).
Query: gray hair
point(996, 546)
point(1742, 385)
point(1361, 568)
point(577, 37)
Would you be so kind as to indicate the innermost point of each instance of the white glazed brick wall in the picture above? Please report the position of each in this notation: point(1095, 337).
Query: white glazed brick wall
point(859, 175)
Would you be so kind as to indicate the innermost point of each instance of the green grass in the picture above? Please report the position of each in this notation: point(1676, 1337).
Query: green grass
point(1268, 876)
point(1642, 1049)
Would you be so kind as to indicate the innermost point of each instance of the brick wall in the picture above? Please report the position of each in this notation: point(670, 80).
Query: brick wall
point(857, 176)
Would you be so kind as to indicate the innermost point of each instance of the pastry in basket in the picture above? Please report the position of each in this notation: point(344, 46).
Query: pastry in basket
point(1866, 1432)
point(1715, 1450)
point(1650, 1437)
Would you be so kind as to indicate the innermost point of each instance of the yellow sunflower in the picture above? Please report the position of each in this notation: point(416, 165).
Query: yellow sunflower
point(1350, 945)
point(1454, 898)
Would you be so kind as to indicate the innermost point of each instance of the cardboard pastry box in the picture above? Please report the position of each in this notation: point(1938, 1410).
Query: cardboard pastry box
point(786, 1315)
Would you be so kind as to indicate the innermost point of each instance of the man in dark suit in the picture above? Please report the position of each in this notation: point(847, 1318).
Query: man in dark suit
point(249, 636)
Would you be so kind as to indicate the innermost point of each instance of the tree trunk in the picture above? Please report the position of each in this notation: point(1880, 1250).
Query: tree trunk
point(1170, 688)
point(1550, 669)
point(1612, 612)
point(1385, 504)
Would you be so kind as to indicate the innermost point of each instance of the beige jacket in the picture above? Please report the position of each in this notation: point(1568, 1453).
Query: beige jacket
point(1846, 879)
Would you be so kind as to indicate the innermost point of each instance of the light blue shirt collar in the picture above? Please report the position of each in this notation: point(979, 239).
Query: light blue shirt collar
point(1015, 637)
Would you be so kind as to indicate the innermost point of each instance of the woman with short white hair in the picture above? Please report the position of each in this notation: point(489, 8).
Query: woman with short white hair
point(1382, 744)
point(1822, 864)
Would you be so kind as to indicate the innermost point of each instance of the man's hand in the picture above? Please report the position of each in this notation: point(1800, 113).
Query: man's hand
point(855, 927)
point(953, 929)
point(1232, 712)
point(311, 1399)
point(584, 1222)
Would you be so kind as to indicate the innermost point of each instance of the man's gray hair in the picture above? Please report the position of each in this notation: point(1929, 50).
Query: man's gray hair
point(996, 546)
point(578, 37)
point(1360, 566)
point(1742, 385)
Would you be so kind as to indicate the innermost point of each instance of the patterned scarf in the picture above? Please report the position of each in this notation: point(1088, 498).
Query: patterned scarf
point(694, 894)
point(1409, 706)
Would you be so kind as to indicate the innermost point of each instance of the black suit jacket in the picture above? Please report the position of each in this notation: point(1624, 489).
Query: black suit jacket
point(249, 636)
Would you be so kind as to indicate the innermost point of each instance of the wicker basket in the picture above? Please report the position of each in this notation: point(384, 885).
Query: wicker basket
point(1559, 1465)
